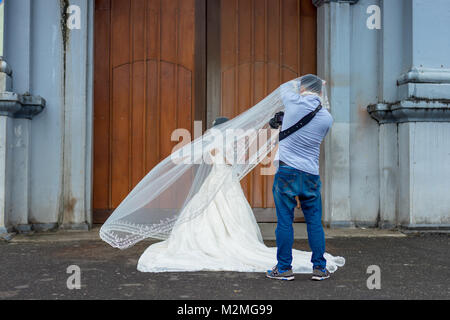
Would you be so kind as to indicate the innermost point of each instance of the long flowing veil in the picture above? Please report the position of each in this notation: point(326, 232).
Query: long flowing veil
point(155, 205)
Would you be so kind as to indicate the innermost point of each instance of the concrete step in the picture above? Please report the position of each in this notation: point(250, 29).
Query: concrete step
point(267, 231)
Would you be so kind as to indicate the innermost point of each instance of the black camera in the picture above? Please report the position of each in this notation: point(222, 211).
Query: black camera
point(277, 120)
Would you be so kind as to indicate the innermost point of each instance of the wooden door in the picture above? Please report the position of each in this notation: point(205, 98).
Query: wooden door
point(149, 65)
point(253, 47)
point(151, 78)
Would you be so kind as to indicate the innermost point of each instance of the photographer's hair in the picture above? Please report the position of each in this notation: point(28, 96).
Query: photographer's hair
point(311, 83)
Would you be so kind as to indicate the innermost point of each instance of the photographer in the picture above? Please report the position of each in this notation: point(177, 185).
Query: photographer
point(304, 124)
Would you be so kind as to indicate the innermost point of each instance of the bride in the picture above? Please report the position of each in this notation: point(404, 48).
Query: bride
point(225, 237)
point(214, 228)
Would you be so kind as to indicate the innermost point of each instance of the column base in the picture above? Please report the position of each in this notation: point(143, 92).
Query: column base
point(43, 227)
point(445, 228)
point(5, 230)
point(23, 228)
point(75, 226)
point(340, 224)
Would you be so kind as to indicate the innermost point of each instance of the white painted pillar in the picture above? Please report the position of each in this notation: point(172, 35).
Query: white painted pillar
point(18, 54)
point(17, 107)
point(334, 29)
point(391, 62)
point(5, 173)
point(424, 154)
point(414, 115)
point(5, 132)
point(77, 175)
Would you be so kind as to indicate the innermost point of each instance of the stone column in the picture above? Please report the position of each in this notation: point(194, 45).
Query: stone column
point(5, 134)
point(17, 51)
point(76, 211)
point(17, 107)
point(414, 113)
point(5, 173)
point(333, 35)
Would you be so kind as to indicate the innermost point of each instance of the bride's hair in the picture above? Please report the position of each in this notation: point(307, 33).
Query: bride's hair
point(219, 120)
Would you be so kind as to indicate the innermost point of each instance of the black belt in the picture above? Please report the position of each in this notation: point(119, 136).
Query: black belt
point(281, 163)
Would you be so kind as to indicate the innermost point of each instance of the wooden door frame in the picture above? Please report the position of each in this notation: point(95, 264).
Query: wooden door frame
point(200, 79)
point(213, 72)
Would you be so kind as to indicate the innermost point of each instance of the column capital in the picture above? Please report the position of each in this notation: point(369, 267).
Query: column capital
point(423, 95)
point(16, 105)
point(318, 3)
point(425, 75)
point(4, 67)
point(411, 110)
point(23, 106)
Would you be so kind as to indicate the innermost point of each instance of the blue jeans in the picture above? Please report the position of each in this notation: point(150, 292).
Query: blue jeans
point(290, 182)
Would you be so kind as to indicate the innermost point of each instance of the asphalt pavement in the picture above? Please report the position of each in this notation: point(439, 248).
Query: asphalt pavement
point(410, 267)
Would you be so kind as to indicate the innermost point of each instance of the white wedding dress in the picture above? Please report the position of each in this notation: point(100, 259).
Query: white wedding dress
point(224, 237)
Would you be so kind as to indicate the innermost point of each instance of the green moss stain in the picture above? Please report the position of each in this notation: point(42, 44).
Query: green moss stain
point(65, 33)
point(64, 4)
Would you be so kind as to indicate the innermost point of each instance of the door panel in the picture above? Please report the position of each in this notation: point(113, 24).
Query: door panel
point(145, 87)
point(263, 44)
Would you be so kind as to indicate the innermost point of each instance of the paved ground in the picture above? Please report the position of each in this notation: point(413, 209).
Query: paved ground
point(412, 267)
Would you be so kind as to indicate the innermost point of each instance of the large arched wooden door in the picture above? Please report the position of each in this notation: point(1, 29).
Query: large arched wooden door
point(253, 47)
point(151, 78)
point(148, 69)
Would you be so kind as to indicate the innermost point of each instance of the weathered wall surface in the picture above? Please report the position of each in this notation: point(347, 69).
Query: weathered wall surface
point(392, 170)
point(52, 151)
point(348, 57)
point(364, 70)
point(47, 78)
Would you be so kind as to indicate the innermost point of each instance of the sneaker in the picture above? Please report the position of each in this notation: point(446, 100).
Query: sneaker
point(320, 274)
point(275, 274)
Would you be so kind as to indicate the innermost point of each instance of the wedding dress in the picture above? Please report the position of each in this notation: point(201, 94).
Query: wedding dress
point(225, 237)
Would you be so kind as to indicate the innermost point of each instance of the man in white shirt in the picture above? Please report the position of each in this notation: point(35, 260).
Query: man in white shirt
point(298, 176)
